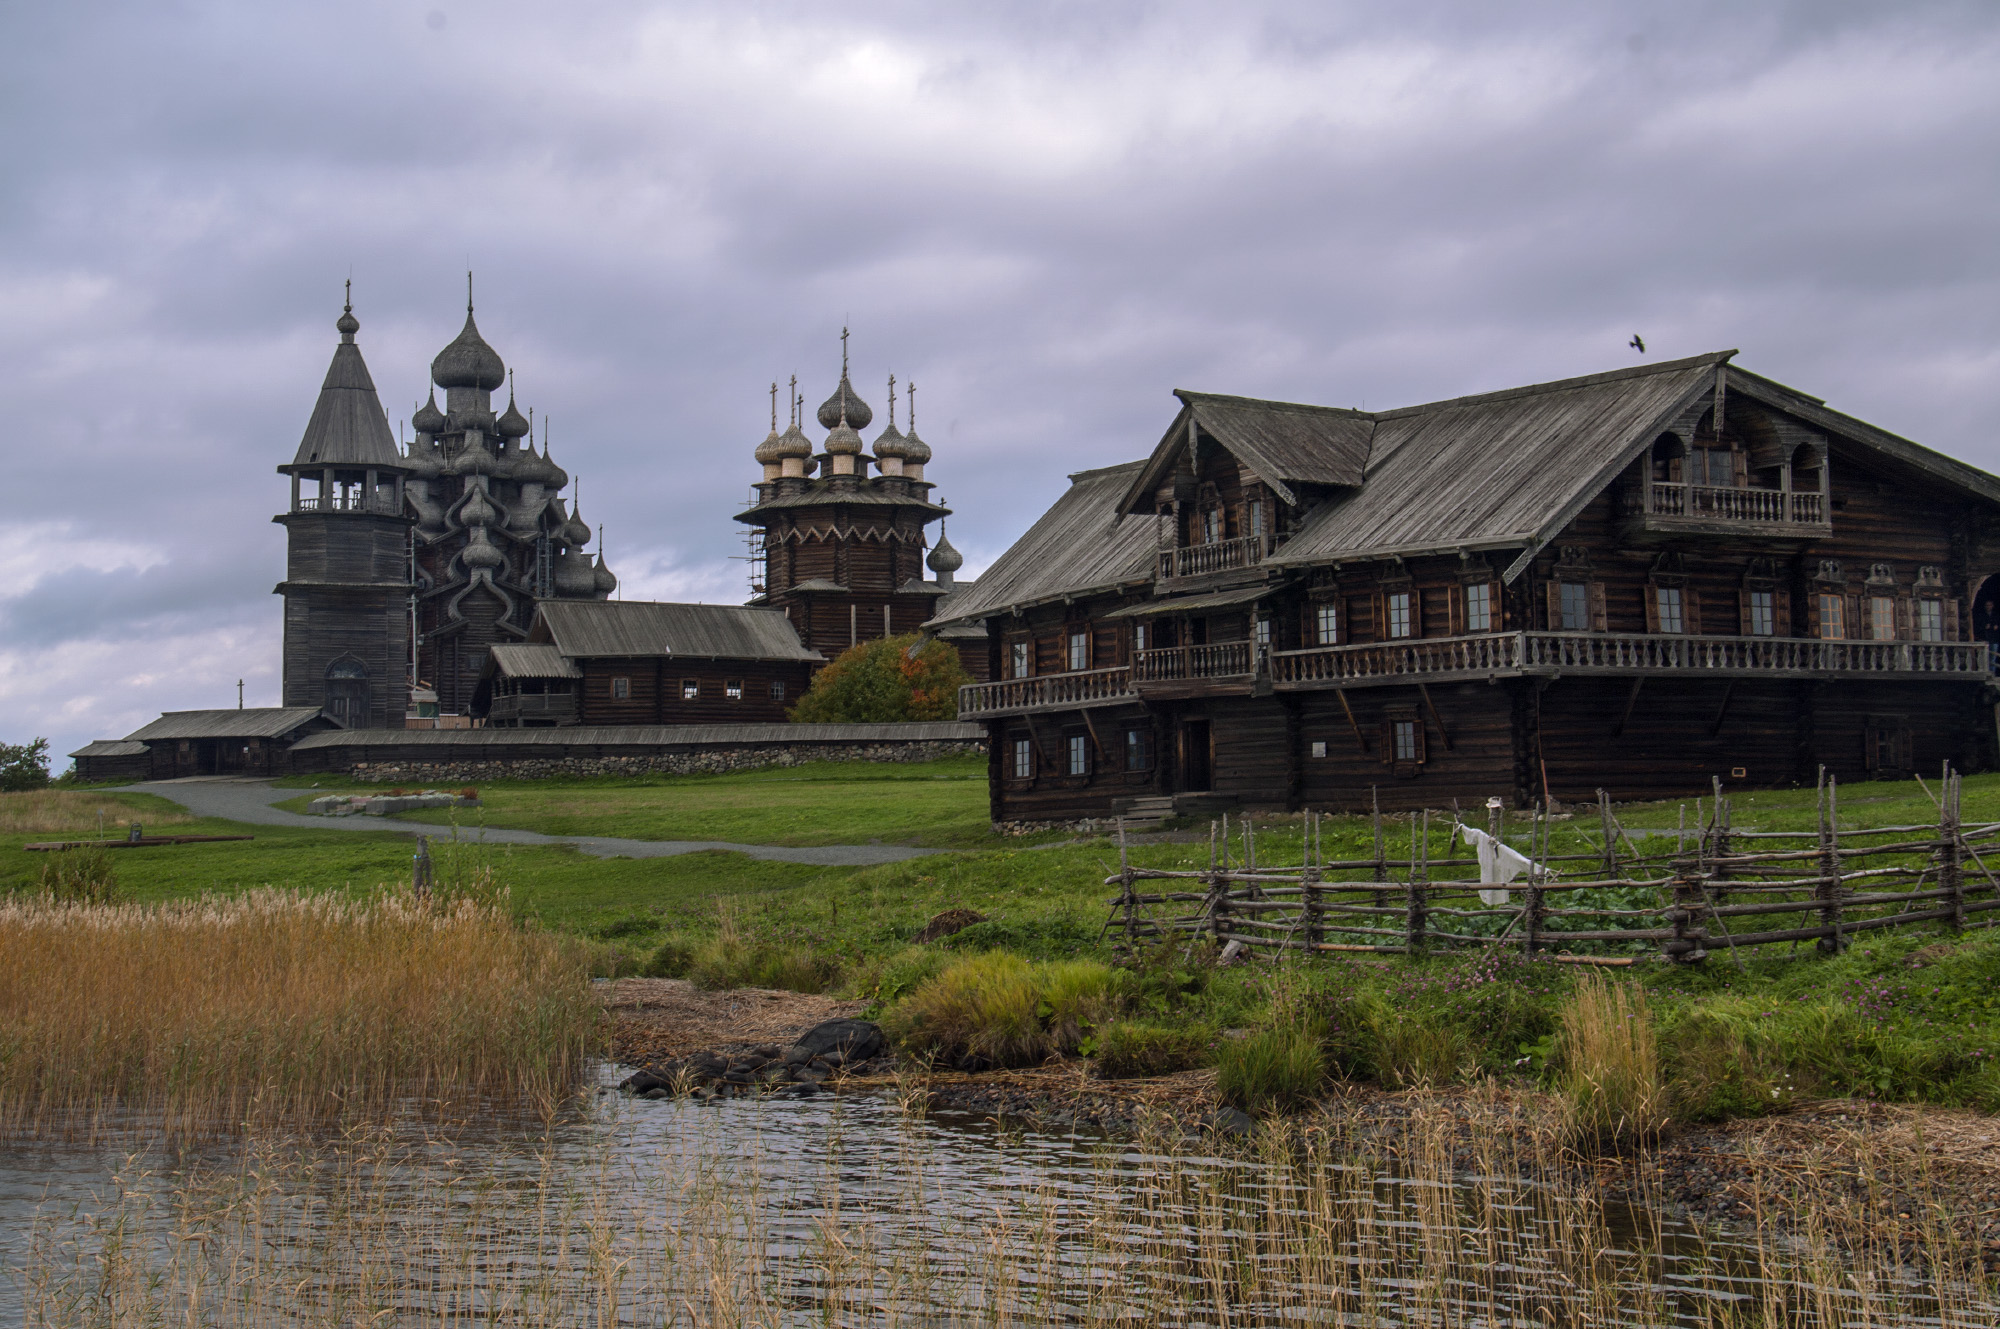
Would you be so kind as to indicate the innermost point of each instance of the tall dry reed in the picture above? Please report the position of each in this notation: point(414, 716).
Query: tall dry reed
point(1610, 1063)
point(66, 812)
point(276, 1007)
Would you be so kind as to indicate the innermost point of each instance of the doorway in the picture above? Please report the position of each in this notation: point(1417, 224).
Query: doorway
point(1196, 757)
point(1986, 615)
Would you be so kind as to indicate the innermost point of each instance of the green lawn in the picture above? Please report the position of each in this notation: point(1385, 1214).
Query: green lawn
point(936, 804)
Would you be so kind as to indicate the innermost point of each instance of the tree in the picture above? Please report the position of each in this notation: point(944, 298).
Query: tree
point(881, 682)
point(24, 765)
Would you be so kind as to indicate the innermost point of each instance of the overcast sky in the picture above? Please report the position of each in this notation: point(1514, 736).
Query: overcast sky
point(1048, 215)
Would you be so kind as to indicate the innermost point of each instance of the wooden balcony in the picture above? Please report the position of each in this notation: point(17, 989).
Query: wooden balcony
point(1511, 654)
point(1709, 509)
point(1204, 560)
point(1045, 692)
point(1176, 664)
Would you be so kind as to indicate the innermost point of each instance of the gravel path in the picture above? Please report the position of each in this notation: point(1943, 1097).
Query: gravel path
point(250, 801)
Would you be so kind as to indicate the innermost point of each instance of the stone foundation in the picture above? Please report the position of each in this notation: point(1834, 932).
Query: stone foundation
point(716, 760)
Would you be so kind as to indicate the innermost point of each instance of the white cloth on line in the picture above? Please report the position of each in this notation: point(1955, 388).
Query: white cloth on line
point(1498, 864)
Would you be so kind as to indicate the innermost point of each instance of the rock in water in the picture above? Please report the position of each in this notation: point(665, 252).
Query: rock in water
point(854, 1040)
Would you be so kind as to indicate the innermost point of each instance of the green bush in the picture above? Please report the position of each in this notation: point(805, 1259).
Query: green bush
point(672, 958)
point(1271, 1071)
point(883, 980)
point(79, 876)
point(1127, 1048)
point(730, 962)
point(878, 682)
point(1001, 1010)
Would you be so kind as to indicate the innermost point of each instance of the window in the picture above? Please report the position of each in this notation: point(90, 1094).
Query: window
point(1930, 620)
point(1667, 599)
point(1017, 660)
point(1763, 614)
point(690, 689)
point(1319, 747)
point(1479, 607)
point(1714, 467)
point(1326, 624)
point(1257, 517)
point(1575, 606)
point(621, 689)
point(1079, 754)
point(1263, 634)
point(1024, 759)
point(733, 689)
point(1211, 526)
point(1079, 651)
point(1138, 749)
point(1405, 734)
point(1139, 636)
point(1398, 603)
point(1881, 618)
point(777, 690)
point(1831, 624)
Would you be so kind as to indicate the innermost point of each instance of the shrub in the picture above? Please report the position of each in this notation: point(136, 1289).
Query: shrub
point(998, 1009)
point(877, 682)
point(1610, 1063)
point(672, 958)
point(884, 980)
point(1128, 1048)
point(78, 876)
point(1271, 1071)
point(1415, 1048)
point(730, 962)
point(26, 765)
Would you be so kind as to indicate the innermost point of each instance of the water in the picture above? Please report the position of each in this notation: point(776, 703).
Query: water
point(845, 1211)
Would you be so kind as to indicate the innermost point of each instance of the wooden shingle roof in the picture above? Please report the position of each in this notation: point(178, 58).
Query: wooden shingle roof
point(582, 629)
point(256, 722)
point(1284, 443)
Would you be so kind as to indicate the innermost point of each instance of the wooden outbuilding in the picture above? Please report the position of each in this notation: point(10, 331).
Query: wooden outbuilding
point(1633, 580)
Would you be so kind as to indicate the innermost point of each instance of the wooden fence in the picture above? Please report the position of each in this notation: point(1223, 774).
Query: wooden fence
point(1708, 886)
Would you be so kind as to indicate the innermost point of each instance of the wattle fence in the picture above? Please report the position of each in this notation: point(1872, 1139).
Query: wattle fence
point(1713, 887)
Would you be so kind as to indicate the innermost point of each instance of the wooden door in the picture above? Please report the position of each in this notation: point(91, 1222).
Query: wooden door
point(1196, 765)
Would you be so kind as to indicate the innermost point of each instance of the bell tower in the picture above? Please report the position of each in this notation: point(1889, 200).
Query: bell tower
point(347, 570)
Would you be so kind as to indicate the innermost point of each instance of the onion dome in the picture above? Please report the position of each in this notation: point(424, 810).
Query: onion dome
point(347, 325)
point(606, 582)
point(428, 419)
point(844, 406)
point(480, 553)
point(576, 532)
point(475, 460)
point(424, 461)
point(468, 362)
point(944, 558)
point(772, 450)
point(843, 441)
point(916, 452)
point(512, 423)
point(574, 574)
point(794, 443)
point(891, 443)
point(476, 512)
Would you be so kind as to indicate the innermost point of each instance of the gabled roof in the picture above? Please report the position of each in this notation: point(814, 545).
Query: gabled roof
point(582, 629)
point(530, 660)
point(112, 747)
point(348, 427)
point(257, 722)
point(1078, 545)
point(1283, 443)
point(1499, 470)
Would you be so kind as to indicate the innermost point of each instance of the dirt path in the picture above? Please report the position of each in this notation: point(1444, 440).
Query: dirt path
point(658, 1019)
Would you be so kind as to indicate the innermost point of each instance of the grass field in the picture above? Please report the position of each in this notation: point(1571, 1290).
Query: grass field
point(936, 804)
point(1882, 1019)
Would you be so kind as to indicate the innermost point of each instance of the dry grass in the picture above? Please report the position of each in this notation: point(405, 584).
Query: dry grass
point(61, 812)
point(867, 1225)
point(278, 1007)
point(1611, 1063)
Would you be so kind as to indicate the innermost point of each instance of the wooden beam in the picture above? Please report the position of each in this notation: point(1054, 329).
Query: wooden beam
point(1722, 711)
point(1631, 700)
point(1352, 723)
point(1436, 719)
point(1102, 755)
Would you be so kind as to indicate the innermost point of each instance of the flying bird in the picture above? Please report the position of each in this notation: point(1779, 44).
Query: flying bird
point(1637, 343)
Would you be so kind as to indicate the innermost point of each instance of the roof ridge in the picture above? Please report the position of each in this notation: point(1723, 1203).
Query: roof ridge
point(1095, 472)
point(1190, 396)
point(1561, 384)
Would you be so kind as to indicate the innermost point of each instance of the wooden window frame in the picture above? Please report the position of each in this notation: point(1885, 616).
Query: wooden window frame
point(1888, 745)
point(1140, 748)
point(777, 689)
point(1879, 613)
point(690, 689)
point(1927, 607)
point(1021, 658)
point(621, 687)
point(1326, 622)
point(1823, 600)
point(1021, 759)
point(1076, 648)
point(1393, 721)
point(1412, 615)
point(732, 689)
point(1668, 606)
point(1488, 594)
point(1076, 755)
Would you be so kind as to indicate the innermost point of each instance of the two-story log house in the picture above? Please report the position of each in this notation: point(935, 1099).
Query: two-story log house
point(1635, 580)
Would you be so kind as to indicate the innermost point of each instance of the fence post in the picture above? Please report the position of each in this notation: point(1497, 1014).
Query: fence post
point(1685, 946)
point(1130, 905)
point(1828, 890)
point(1218, 885)
point(1718, 833)
point(1951, 850)
point(1415, 903)
point(420, 869)
point(1315, 917)
point(1610, 839)
point(1531, 901)
point(1381, 852)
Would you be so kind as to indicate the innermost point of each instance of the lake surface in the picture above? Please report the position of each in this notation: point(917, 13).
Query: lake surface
point(848, 1211)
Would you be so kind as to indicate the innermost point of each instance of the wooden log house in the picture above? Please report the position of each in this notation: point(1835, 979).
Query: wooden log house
point(1634, 580)
point(637, 662)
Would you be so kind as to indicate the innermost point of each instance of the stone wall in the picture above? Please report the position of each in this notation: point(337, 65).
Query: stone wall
point(715, 760)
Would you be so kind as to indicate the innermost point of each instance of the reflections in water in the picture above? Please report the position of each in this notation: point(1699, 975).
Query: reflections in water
point(852, 1212)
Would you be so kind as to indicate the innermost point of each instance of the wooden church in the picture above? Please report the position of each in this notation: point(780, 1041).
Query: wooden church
point(1636, 580)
